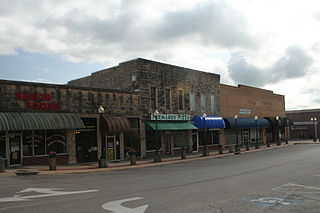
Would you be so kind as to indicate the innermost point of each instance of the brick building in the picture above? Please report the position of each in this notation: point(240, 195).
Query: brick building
point(248, 103)
point(39, 118)
point(304, 124)
point(171, 90)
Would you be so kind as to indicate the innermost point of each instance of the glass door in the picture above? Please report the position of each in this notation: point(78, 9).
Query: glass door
point(111, 146)
point(15, 144)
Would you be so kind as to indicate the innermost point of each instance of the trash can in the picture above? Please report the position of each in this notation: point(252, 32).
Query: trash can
point(183, 153)
point(231, 148)
point(220, 147)
point(52, 160)
point(133, 157)
point(1, 164)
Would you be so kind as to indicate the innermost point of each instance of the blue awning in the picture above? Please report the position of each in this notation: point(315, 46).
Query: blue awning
point(210, 122)
point(247, 123)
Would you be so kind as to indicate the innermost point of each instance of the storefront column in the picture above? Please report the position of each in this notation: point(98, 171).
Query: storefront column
point(71, 141)
point(264, 136)
point(190, 142)
point(142, 132)
point(222, 139)
point(121, 145)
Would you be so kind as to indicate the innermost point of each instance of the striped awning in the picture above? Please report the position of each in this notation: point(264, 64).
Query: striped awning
point(114, 124)
point(39, 121)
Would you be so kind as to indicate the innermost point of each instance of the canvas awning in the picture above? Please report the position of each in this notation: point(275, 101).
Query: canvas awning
point(114, 124)
point(11, 121)
point(210, 122)
point(169, 125)
point(247, 123)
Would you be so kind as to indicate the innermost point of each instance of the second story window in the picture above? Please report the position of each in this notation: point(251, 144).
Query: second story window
point(213, 107)
point(180, 99)
point(192, 102)
point(167, 94)
point(203, 103)
point(153, 98)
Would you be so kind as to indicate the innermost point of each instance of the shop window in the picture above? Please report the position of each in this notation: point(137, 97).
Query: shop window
point(153, 98)
point(212, 137)
point(39, 144)
point(56, 141)
point(192, 102)
point(3, 146)
point(27, 143)
point(180, 99)
point(180, 139)
point(151, 140)
point(167, 93)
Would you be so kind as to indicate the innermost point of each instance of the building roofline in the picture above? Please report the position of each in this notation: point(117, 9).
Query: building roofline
point(302, 110)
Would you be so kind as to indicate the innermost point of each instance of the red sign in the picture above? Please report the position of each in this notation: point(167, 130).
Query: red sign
point(38, 101)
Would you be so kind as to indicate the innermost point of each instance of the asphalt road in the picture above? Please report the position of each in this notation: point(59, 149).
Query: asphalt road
point(279, 180)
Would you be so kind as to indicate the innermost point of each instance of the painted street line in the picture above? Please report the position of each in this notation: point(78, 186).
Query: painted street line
point(116, 207)
point(306, 191)
point(271, 201)
point(45, 192)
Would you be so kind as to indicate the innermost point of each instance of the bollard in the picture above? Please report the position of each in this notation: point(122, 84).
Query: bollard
point(133, 157)
point(1, 164)
point(183, 153)
point(52, 160)
point(205, 152)
point(220, 147)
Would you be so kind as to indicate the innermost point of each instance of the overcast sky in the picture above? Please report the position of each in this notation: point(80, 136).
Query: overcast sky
point(271, 44)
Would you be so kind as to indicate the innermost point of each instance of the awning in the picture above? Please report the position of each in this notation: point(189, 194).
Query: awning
point(210, 122)
point(170, 125)
point(247, 123)
point(39, 121)
point(114, 124)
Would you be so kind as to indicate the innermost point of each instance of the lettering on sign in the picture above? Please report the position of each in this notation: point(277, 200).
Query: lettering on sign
point(170, 117)
point(244, 111)
point(36, 101)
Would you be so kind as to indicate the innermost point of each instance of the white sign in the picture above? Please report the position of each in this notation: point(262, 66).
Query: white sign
point(44, 192)
point(116, 207)
point(244, 111)
point(170, 117)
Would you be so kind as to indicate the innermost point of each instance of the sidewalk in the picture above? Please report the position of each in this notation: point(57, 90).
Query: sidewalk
point(93, 167)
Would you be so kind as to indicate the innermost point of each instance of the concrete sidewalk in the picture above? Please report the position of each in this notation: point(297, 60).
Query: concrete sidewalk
point(93, 167)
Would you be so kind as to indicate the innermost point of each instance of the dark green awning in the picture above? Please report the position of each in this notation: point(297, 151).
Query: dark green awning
point(39, 121)
point(170, 125)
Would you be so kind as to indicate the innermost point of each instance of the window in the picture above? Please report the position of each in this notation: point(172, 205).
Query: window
point(27, 143)
point(212, 104)
point(203, 103)
point(180, 99)
point(192, 102)
point(56, 141)
point(3, 144)
point(167, 93)
point(153, 98)
point(39, 144)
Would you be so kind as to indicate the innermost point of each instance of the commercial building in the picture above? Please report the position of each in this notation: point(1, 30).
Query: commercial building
point(304, 124)
point(252, 114)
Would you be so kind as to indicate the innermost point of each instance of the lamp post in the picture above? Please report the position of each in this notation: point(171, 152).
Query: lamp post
point(257, 135)
point(278, 127)
point(287, 131)
point(237, 148)
point(314, 120)
point(103, 159)
point(205, 149)
point(157, 157)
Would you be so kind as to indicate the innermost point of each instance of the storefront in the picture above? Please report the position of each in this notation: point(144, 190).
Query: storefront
point(208, 133)
point(27, 138)
point(174, 132)
point(247, 129)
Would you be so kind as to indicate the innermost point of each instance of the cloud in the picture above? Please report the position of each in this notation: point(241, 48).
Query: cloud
point(294, 63)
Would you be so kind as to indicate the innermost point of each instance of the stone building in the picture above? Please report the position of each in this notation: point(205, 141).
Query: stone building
point(38, 118)
point(247, 103)
point(304, 124)
point(177, 93)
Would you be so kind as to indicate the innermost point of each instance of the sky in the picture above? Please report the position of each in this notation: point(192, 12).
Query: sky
point(270, 44)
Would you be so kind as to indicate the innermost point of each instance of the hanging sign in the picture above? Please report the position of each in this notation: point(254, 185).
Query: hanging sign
point(170, 117)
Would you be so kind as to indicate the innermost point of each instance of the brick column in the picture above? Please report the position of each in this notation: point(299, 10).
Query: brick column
point(71, 141)
point(142, 132)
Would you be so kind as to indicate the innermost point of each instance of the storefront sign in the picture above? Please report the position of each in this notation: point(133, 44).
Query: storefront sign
point(36, 101)
point(170, 117)
point(244, 111)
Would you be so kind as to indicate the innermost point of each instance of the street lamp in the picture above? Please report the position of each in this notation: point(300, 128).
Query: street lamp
point(314, 120)
point(278, 127)
point(157, 157)
point(237, 148)
point(103, 158)
point(257, 136)
point(205, 149)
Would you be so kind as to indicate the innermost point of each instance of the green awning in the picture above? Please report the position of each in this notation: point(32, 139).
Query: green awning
point(39, 121)
point(170, 125)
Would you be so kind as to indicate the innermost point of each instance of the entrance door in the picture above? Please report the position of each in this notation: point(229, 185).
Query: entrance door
point(86, 143)
point(15, 144)
point(195, 141)
point(167, 145)
point(113, 146)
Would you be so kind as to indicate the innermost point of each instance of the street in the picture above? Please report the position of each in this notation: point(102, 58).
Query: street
point(286, 179)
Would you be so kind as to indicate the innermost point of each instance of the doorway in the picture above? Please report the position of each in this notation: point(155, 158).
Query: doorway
point(195, 141)
point(15, 144)
point(113, 146)
point(167, 144)
point(86, 143)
